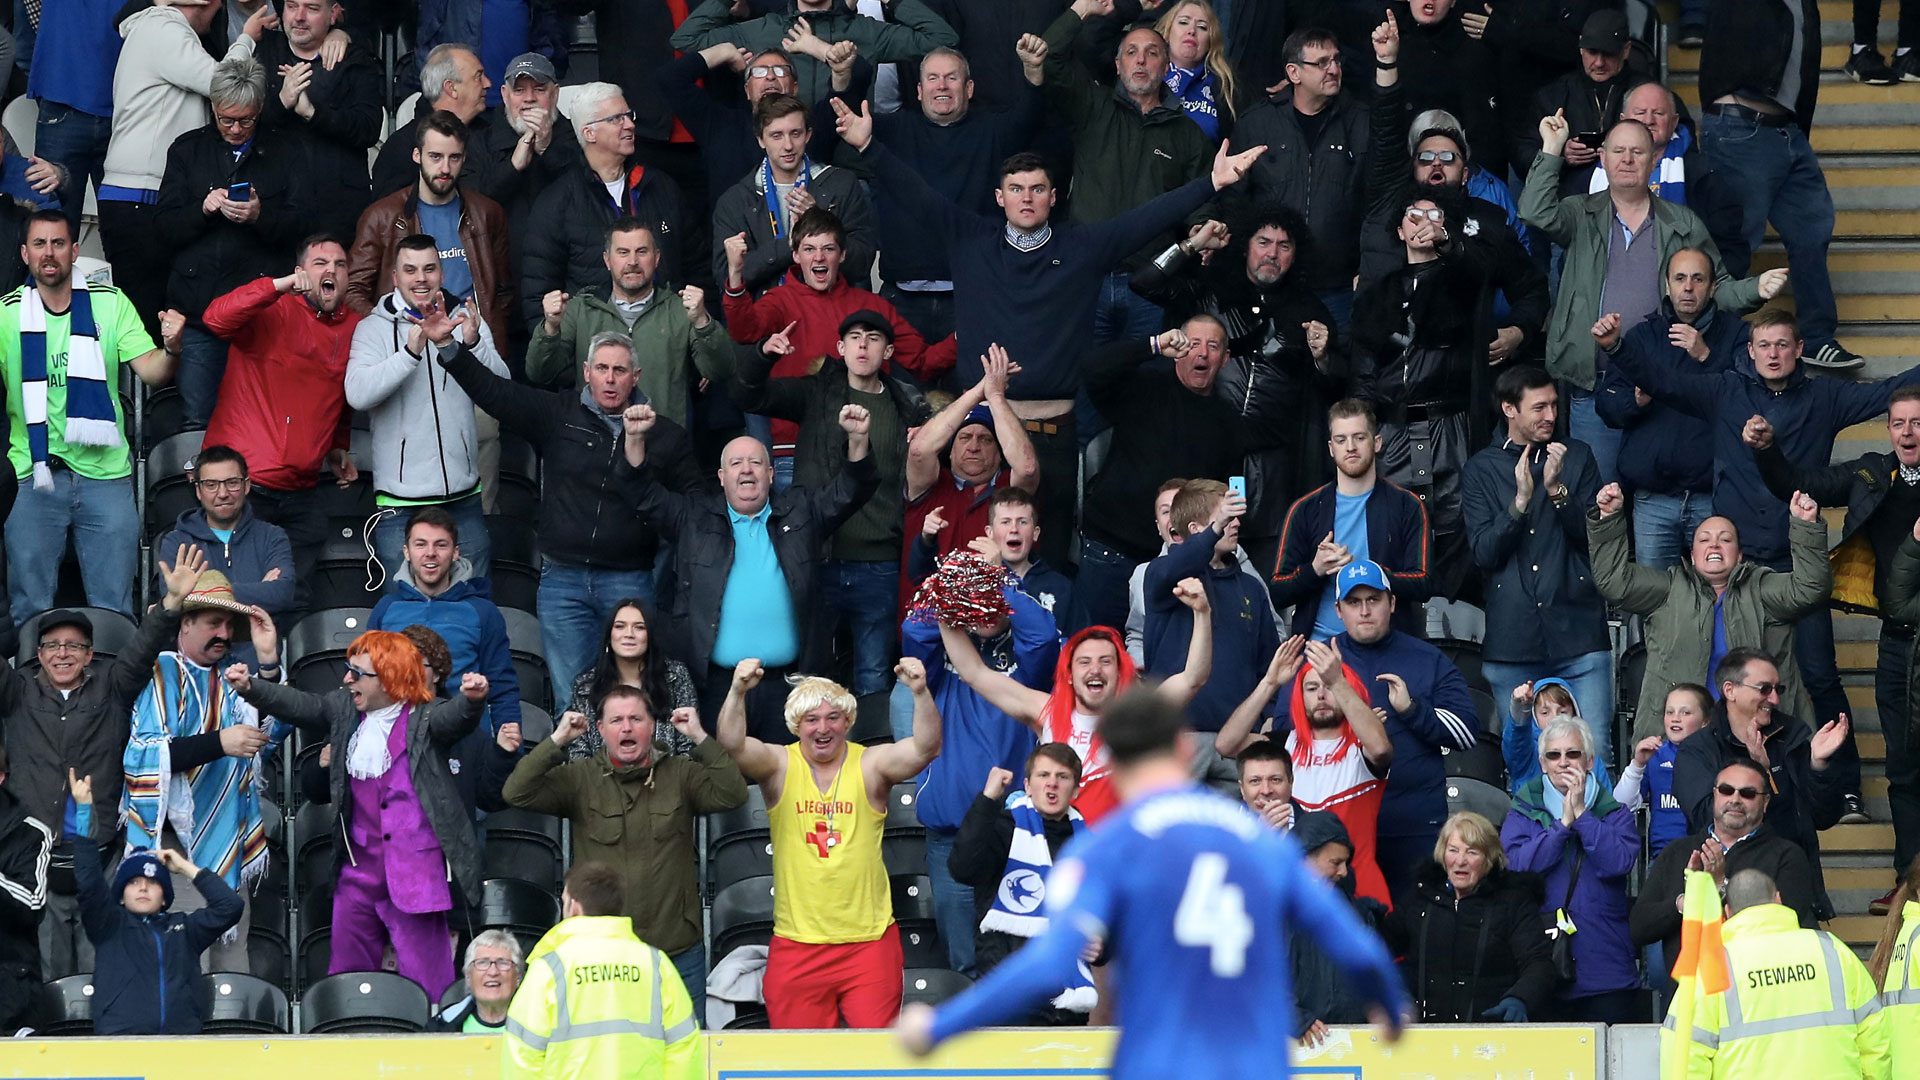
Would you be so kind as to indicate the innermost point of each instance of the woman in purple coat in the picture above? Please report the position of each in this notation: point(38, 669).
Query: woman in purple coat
point(1566, 827)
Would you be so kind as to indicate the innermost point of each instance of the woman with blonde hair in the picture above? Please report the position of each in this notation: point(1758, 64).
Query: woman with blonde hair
point(1198, 73)
point(1895, 967)
point(1475, 942)
point(404, 835)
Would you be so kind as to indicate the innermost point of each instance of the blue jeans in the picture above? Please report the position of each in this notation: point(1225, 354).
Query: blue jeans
point(575, 603)
point(1122, 313)
point(1584, 423)
point(99, 517)
point(863, 597)
point(952, 901)
point(900, 715)
point(1663, 526)
point(390, 535)
point(1100, 589)
point(1776, 176)
point(78, 140)
point(203, 363)
point(1590, 675)
point(692, 966)
point(1903, 757)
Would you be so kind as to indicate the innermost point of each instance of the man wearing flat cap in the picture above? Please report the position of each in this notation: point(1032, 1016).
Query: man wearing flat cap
point(859, 580)
point(189, 765)
point(1590, 98)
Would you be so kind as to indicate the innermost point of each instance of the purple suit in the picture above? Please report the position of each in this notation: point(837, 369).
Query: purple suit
point(394, 888)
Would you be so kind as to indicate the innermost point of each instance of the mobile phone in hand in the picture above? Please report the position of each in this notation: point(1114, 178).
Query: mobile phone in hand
point(240, 191)
point(1237, 485)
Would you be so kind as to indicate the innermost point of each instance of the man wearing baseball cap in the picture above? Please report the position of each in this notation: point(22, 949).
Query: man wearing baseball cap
point(860, 576)
point(536, 147)
point(1428, 708)
point(1592, 98)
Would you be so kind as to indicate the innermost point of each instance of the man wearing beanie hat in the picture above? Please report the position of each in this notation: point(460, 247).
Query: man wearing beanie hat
point(1320, 994)
point(860, 577)
point(138, 941)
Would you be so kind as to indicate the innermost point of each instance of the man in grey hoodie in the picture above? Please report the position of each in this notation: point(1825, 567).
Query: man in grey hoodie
point(425, 448)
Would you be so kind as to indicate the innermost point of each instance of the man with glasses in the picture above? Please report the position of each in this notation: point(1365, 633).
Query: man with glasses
point(1804, 795)
point(1738, 838)
point(493, 970)
point(256, 556)
point(722, 127)
point(228, 214)
point(62, 714)
point(567, 227)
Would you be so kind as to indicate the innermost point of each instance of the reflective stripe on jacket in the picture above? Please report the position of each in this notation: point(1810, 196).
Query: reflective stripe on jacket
point(579, 1013)
point(1900, 1004)
point(1800, 1004)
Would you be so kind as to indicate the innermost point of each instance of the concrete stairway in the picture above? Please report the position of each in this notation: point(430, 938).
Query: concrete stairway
point(1868, 138)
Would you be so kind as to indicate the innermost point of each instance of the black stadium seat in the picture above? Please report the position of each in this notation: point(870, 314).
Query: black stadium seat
point(243, 1005)
point(316, 647)
point(1486, 800)
point(536, 723)
point(68, 1006)
point(933, 985)
point(901, 816)
point(1483, 763)
point(455, 992)
point(516, 562)
point(1465, 656)
point(164, 415)
point(749, 818)
point(525, 846)
point(359, 1002)
point(113, 634)
point(742, 915)
point(1488, 711)
point(739, 857)
point(904, 853)
point(314, 827)
point(507, 904)
point(169, 491)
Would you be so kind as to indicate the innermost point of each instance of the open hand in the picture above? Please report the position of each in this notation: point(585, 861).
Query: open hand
point(1644, 750)
point(1228, 167)
point(855, 128)
point(1397, 693)
point(1286, 661)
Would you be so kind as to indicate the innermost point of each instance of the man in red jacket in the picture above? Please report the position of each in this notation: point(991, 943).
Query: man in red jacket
point(283, 400)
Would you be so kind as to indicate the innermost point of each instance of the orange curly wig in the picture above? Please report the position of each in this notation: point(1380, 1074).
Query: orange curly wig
point(396, 663)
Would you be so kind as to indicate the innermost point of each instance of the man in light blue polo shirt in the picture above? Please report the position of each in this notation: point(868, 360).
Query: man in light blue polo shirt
point(745, 561)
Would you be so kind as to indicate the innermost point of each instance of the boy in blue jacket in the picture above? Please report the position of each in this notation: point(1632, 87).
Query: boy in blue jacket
point(139, 947)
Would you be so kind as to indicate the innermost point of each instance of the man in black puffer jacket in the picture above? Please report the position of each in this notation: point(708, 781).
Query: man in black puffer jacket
point(1591, 99)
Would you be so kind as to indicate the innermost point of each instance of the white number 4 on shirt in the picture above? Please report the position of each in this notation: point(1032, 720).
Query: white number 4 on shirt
point(1213, 914)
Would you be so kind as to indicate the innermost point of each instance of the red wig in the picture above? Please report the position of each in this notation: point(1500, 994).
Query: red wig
point(396, 663)
point(1058, 717)
point(1303, 727)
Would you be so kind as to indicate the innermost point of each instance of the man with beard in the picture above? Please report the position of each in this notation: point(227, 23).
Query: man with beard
point(190, 759)
point(542, 149)
point(1357, 518)
point(334, 111)
point(1092, 671)
point(1805, 791)
point(65, 346)
point(1661, 456)
point(1420, 360)
point(468, 229)
point(836, 949)
point(1129, 145)
point(283, 401)
point(452, 80)
point(1279, 347)
point(1737, 838)
point(671, 335)
point(1881, 492)
point(1337, 743)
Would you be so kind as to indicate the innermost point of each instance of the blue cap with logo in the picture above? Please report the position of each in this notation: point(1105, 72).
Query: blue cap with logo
point(1361, 572)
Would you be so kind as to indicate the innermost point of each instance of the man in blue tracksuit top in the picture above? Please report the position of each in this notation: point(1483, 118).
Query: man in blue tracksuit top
point(1662, 451)
point(1806, 415)
point(436, 589)
point(1206, 541)
point(1428, 707)
point(976, 738)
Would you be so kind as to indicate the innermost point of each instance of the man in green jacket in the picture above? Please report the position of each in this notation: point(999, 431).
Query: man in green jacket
point(1716, 601)
point(667, 335)
point(1131, 143)
point(1617, 244)
point(633, 807)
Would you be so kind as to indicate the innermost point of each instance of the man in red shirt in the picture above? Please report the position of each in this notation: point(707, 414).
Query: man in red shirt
point(283, 400)
point(955, 462)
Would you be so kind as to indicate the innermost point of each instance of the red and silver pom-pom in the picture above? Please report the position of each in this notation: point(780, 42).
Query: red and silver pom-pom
point(966, 590)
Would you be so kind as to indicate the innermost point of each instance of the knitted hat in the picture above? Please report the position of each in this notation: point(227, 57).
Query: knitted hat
point(146, 864)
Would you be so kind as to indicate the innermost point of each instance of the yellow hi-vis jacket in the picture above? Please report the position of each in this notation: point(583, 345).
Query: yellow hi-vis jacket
point(1801, 1005)
point(1900, 1004)
point(600, 1004)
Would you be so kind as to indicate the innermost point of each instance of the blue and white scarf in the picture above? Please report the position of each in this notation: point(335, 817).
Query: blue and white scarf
point(214, 809)
point(1194, 90)
point(90, 416)
point(1023, 889)
point(776, 210)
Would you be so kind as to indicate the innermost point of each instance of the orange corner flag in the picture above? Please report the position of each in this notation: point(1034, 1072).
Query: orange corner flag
point(1701, 965)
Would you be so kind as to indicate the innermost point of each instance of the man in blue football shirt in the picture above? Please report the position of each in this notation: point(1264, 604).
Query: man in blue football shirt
point(1197, 895)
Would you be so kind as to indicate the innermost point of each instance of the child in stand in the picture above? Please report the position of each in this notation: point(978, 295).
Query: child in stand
point(1534, 705)
point(137, 943)
point(1649, 780)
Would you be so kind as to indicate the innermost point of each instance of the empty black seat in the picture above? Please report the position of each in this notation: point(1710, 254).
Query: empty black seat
point(508, 904)
point(364, 1001)
point(536, 723)
point(739, 857)
point(922, 946)
point(113, 634)
point(933, 985)
point(748, 818)
point(742, 915)
point(516, 561)
point(523, 634)
point(912, 898)
point(314, 827)
point(240, 1004)
point(1483, 763)
point(517, 857)
point(269, 955)
point(1465, 656)
point(904, 853)
point(316, 647)
point(1486, 800)
point(535, 684)
point(68, 1006)
point(901, 816)
point(454, 994)
point(1488, 712)
point(169, 490)
point(164, 416)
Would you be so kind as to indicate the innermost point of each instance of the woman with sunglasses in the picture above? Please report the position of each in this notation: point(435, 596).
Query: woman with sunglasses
point(1566, 826)
point(628, 658)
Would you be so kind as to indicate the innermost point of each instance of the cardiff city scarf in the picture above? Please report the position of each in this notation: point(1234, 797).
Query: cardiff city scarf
point(1023, 888)
point(776, 213)
point(90, 417)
